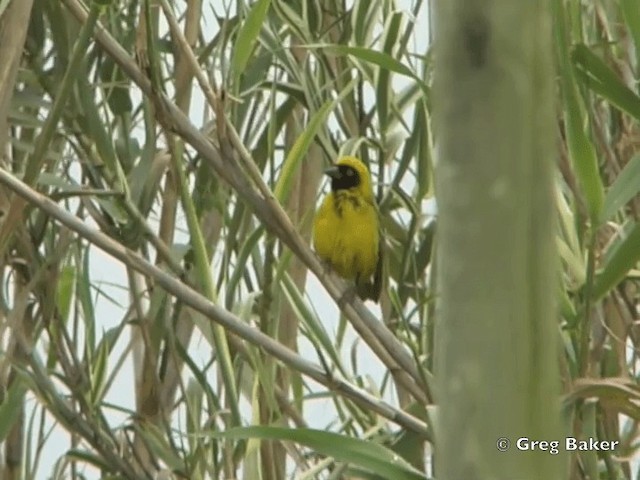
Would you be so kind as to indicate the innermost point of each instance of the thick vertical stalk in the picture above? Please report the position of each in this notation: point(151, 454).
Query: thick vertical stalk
point(13, 30)
point(14, 23)
point(496, 355)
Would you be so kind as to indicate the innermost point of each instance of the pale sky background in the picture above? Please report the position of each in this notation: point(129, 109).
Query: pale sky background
point(110, 276)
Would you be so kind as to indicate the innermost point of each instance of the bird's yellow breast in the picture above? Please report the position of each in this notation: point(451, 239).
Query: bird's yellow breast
point(345, 234)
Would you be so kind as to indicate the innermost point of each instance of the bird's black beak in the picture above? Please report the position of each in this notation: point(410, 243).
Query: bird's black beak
point(333, 172)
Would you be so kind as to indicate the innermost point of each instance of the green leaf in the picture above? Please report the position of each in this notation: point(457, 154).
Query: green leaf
point(99, 370)
point(249, 246)
point(380, 59)
point(248, 35)
point(52, 180)
point(423, 142)
point(302, 143)
point(87, 457)
point(583, 156)
point(624, 188)
point(623, 255)
point(116, 88)
point(292, 19)
point(83, 293)
point(383, 85)
point(64, 293)
point(11, 407)
point(372, 456)
point(631, 14)
point(588, 414)
point(278, 118)
point(100, 131)
point(310, 322)
point(364, 20)
point(581, 150)
point(598, 76)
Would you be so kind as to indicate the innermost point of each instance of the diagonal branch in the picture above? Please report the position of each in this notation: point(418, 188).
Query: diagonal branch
point(379, 338)
point(217, 314)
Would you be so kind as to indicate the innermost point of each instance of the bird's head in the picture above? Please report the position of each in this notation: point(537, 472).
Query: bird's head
point(349, 173)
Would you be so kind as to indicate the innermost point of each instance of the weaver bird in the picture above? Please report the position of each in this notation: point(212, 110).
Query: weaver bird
point(346, 230)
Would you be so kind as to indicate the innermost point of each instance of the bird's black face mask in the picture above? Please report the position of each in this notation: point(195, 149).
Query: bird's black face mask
point(343, 177)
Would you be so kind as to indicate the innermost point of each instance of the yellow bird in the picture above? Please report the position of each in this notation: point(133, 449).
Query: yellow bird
point(346, 229)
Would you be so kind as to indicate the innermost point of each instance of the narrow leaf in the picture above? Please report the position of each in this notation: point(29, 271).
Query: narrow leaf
point(598, 76)
point(248, 35)
point(380, 59)
point(372, 456)
point(624, 188)
point(625, 256)
point(301, 145)
point(11, 406)
point(581, 150)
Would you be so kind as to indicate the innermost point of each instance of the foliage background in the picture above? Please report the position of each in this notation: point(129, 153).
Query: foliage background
point(105, 120)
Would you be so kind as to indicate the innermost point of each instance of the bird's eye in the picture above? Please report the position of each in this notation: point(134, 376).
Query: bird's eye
point(350, 173)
